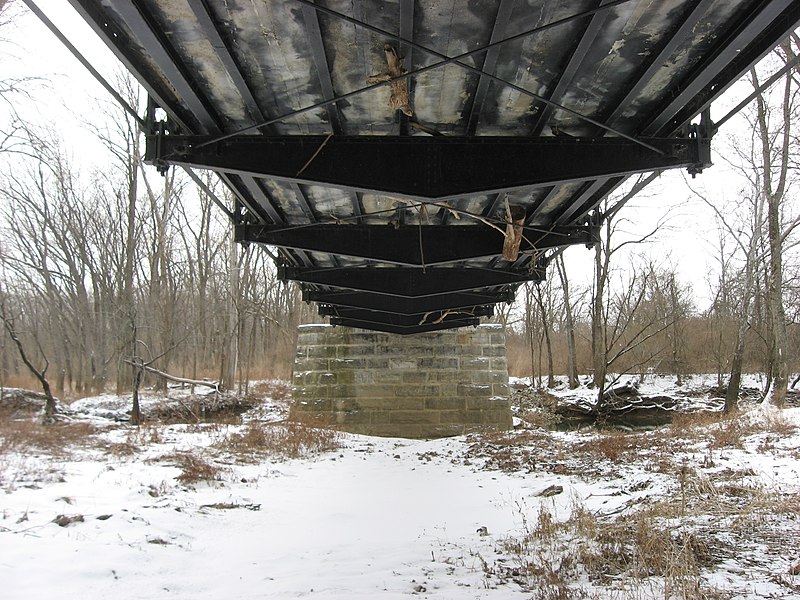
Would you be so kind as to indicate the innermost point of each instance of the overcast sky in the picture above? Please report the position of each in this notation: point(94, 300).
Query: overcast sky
point(68, 97)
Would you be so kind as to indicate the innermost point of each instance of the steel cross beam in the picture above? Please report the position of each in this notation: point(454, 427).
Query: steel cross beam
point(416, 245)
point(412, 320)
point(406, 330)
point(406, 306)
point(657, 60)
point(421, 167)
point(409, 282)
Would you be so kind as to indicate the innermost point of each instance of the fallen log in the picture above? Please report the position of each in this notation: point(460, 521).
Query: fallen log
point(214, 385)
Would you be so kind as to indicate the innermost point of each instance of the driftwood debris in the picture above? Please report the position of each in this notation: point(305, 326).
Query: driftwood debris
point(399, 99)
point(515, 219)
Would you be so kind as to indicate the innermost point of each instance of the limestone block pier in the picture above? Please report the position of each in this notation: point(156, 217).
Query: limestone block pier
point(419, 386)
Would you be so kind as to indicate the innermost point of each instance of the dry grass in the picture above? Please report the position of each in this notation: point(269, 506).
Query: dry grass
point(274, 388)
point(512, 451)
point(551, 557)
point(58, 440)
point(729, 430)
point(286, 440)
point(194, 468)
point(612, 446)
point(659, 545)
point(136, 440)
point(23, 442)
point(16, 380)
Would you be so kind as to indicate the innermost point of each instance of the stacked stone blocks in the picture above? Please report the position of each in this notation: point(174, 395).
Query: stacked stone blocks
point(427, 385)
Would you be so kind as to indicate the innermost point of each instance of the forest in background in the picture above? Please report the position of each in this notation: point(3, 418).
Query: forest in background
point(100, 269)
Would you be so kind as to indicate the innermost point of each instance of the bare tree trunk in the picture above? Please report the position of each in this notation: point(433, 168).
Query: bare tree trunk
point(735, 379)
point(774, 191)
point(676, 334)
point(569, 321)
point(599, 347)
point(230, 357)
point(546, 323)
point(529, 330)
point(40, 374)
point(734, 382)
point(138, 372)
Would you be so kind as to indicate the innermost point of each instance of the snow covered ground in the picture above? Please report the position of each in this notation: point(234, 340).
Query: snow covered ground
point(94, 508)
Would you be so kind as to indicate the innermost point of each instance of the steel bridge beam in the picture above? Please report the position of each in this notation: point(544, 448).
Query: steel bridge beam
point(565, 75)
point(410, 282)
point(406, 306)
point(415, 245)
point(429, 168)
point(413, 320)
point(405, 330)
point(755, 35)
point(501, 22)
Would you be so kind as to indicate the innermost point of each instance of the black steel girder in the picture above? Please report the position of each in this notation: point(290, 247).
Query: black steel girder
point(406, 306)
point(422, 167)
point(403, 329)
point(411, 245)
point(409, 282)
point(413, 320)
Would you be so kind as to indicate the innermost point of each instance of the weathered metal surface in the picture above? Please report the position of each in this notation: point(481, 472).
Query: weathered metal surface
point(587, 82)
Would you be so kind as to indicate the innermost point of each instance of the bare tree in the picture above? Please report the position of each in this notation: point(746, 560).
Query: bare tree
point(39, 373)
point(569, 323)
point(746, 234)
point(775, 140)
point(609, 323)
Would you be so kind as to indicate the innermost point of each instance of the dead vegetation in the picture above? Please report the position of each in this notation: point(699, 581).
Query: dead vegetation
point(662, 543)
point(662, 548)
point(58, 440)
point(194, 468)
point(286, 440)
point(196, 408)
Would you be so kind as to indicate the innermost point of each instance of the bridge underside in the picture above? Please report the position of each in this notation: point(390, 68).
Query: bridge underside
point(523, 117)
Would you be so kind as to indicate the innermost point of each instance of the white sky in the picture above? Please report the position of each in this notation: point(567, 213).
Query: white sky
point(68, 96)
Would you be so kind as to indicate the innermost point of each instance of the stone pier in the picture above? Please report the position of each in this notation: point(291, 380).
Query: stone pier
point(420, 386)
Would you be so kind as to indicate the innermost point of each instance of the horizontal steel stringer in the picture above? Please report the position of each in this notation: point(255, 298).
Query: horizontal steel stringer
point(405, 329)
point(410, 245)
point(406, 306)
point(430, 318)
point(410, 282)
point(427, 167)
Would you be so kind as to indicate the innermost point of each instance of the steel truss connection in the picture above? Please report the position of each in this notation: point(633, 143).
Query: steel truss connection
point(435, 168)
